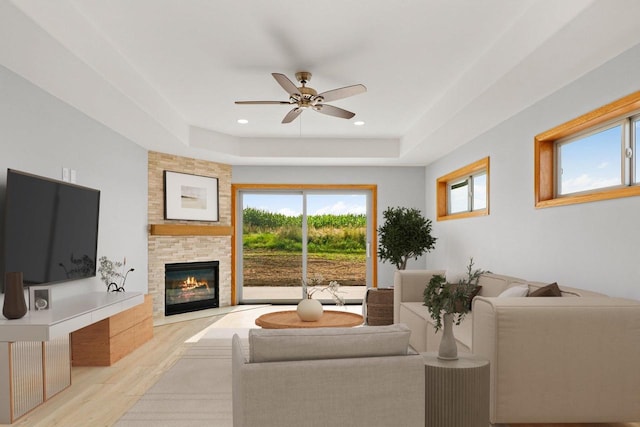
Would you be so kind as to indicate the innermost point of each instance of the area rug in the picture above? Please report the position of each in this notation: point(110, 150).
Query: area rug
point(195, 391)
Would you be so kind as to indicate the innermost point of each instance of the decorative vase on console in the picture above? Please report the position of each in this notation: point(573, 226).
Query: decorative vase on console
point(15, 305)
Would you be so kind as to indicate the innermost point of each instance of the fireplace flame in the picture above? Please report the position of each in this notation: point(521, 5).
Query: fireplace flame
point(191, 283)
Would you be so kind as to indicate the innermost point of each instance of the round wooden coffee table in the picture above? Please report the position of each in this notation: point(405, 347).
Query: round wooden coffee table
point(290, 319)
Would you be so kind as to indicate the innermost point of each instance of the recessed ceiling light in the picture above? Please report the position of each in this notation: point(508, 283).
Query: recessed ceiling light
point(243, 121)
point(359, 123)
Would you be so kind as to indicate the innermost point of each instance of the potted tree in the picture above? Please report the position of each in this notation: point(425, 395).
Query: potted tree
point(405, 234)
point(448, 303)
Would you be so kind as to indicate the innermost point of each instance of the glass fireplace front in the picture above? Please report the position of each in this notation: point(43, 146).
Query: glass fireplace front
point(190, 286)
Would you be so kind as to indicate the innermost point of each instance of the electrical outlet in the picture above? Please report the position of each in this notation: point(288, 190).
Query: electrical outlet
point(73, 176)
point(65, 174)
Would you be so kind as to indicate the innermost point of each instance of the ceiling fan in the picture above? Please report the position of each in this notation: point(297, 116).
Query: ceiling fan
point(304, 97)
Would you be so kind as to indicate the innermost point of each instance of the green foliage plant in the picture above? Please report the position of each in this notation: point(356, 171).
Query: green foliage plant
point(405, 234)
point(441, 297)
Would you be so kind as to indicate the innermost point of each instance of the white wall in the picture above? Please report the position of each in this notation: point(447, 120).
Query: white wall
point(592, 246)
point(396, 187)
point(40, 134)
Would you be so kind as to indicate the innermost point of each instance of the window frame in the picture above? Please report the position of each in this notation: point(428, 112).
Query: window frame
point(545, 155)
point(623, 124)
point(445, 182)
point(236, 239)
point(634, 144)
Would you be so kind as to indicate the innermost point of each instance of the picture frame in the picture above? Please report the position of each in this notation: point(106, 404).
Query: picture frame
point(190, 197)
point(39, 298)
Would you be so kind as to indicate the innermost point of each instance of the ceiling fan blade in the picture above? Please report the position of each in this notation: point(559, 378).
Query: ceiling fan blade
point(330, 110)
point(343, 92)
point(262, 102)
point(286, 84)
point(291, 115)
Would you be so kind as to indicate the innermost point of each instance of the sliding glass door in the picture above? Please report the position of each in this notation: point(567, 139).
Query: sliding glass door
point(289, 235)
point(272, 252)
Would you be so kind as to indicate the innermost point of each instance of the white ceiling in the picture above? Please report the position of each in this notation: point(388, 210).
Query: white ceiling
point(166, 73)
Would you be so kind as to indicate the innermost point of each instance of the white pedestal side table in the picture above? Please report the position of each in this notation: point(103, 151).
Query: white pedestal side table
point(456, 391)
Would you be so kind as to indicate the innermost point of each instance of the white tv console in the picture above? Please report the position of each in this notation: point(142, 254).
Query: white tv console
point(35, 352)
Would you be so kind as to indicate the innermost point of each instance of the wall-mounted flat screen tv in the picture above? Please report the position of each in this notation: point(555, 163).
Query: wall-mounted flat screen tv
point(50, 229)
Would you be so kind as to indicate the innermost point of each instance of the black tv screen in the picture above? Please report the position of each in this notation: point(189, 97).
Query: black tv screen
point(51, 229)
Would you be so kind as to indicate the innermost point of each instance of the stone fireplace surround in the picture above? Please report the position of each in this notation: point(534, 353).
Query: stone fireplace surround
point(167, 249)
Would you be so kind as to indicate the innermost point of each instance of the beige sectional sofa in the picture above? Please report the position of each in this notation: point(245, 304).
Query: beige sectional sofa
point(553, 360)
point(328, 377)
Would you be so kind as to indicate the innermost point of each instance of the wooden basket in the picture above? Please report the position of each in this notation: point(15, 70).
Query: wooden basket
point(379, 307)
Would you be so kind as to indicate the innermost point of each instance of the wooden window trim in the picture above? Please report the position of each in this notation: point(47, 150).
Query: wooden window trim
point(442, 190)
point(545, 155)
point(236, 188)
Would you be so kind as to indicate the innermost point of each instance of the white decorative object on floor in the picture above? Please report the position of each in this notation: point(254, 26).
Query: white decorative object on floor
point(310, 310)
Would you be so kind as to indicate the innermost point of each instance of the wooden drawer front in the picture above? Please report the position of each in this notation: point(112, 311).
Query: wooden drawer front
point(109, 340)
point(144, 331)
point(121, 345)
point(133, 316)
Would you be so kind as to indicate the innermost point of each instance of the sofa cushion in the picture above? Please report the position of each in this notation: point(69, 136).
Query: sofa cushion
point(417, 308)
point(409, 284)
point(551, 290)
point(575, 292)
point(461, 332)
point(494, 284)
point(272, 345)
point(515, 291)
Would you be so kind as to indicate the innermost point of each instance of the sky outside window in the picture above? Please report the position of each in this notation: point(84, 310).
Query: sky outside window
point(480, 192)
point(592, 162)
point(320, 204)
point(459, 197)
point(459, 194)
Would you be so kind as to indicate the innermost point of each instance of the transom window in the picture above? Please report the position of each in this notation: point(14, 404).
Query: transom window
point(468, 194)
point(591, 161)
point(464, 192)
point(590, 158)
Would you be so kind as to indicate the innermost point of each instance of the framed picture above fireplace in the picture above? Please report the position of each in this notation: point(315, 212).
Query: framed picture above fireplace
point(190, 197)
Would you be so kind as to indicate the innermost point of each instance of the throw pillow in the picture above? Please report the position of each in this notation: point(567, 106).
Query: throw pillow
point(551, 290)
point(515, 291)
point(473, 295)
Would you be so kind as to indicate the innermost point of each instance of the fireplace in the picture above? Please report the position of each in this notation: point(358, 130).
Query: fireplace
point(190, 286)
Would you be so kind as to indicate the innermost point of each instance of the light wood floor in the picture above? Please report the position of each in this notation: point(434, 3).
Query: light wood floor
point(99, 396)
